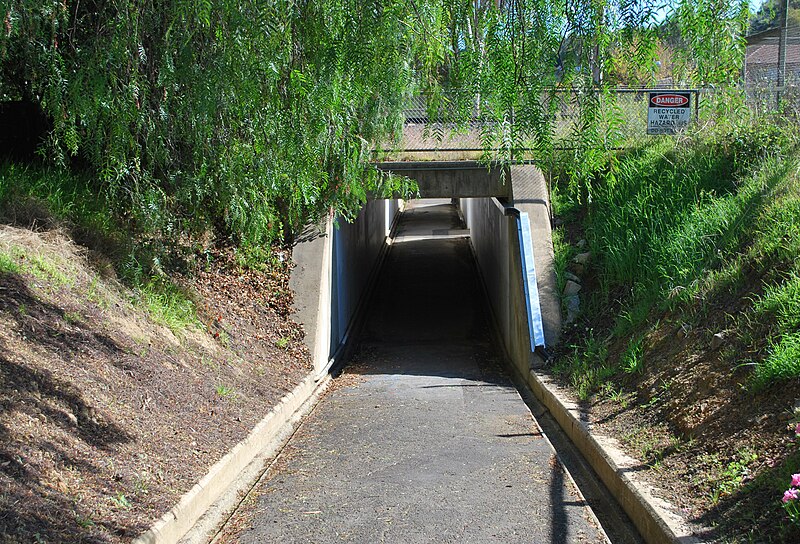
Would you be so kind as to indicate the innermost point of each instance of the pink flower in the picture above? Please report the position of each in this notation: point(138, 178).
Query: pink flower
point(790, 495)
point(795, 480)
point(797, 430)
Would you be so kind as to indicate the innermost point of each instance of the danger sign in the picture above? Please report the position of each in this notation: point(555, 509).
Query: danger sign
point(668, 112)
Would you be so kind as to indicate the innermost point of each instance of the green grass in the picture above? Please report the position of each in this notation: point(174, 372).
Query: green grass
point(68, 197)
point(684, 223)
point(49, 271)
point(223, 391)
point(632, 359)
point(31, 195)
point(730, 476)
point(587, 366)
point(8, 265)
point(168, 305)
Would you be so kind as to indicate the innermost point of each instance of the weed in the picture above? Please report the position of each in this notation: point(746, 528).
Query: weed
point(121, 501)
point(282, 342)
point(141, 483)
point(730, 477)
point(782, 363)
point(22, 310)
point(168, 305)
point(95, 295)
point(562, 254)
point(615, 395)
point(84, 521)
point(586, 367)
point(8, 265)
point(72, 317)
point(209, 362)
point(632, 360)
point(48, 271)
point(224, 391)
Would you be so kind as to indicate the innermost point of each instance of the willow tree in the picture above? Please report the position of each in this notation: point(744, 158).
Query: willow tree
point(248, 118)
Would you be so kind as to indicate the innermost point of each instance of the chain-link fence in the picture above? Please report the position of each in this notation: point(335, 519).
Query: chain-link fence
point(455, 129)
point(463, 129)
point(772, 70)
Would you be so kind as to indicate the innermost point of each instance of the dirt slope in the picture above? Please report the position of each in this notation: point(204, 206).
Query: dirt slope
point(106, 417)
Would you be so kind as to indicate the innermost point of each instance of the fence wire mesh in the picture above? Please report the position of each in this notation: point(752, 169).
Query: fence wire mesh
point(461, 129)
point(763, 57)
point(453, 129)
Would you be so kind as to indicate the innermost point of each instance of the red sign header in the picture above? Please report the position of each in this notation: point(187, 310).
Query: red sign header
point(669, 101)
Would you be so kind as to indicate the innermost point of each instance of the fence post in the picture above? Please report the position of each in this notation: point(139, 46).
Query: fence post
point(782, 50)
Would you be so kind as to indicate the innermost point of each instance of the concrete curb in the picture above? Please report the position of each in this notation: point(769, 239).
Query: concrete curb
point(173, 525)
point(653, 517)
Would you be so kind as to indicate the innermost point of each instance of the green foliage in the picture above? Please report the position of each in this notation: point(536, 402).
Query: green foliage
point(730, 476)
point(247, 118)
point(782, 301)
point(587, 366)
point(632, 360)
point(711, 41)
point(8, 264)
point(224, 391)
point(783, 362)
point(65, 196)
point(167, 304)
point(121, 501)
point(713, 214)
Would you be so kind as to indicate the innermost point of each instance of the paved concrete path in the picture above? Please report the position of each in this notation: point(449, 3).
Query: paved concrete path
point(424, 438)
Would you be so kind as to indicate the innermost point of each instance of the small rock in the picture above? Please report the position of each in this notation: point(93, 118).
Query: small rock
point(582, 258)
point(718, 339)
point(578, 269)
point(571, 288)
point(582, 243)
point(73, 419)
point(573, 308)
point(684, 329)
point(572, 277)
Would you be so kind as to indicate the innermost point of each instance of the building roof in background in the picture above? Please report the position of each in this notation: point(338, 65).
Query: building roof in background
point(766, 52)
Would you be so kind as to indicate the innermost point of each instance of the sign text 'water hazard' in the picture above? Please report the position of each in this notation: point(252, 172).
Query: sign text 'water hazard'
point(668, 112)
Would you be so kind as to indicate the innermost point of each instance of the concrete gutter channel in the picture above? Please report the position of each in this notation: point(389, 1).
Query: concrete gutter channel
point(199, 513)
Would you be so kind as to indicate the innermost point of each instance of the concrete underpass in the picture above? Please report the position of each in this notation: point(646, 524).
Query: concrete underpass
point(425, 438)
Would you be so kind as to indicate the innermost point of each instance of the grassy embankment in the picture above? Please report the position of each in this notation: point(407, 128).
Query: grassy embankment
point(694, 237)
point(41, 198)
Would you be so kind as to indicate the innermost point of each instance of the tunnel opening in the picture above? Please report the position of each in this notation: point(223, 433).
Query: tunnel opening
point(428, 288)
point(427, 312)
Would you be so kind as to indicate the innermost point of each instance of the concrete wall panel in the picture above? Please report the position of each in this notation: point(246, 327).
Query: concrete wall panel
point(496, 245)
point(357, 249)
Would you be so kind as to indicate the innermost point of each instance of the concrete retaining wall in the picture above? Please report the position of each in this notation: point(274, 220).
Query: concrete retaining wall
point(356, 250)
point(496, 245)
